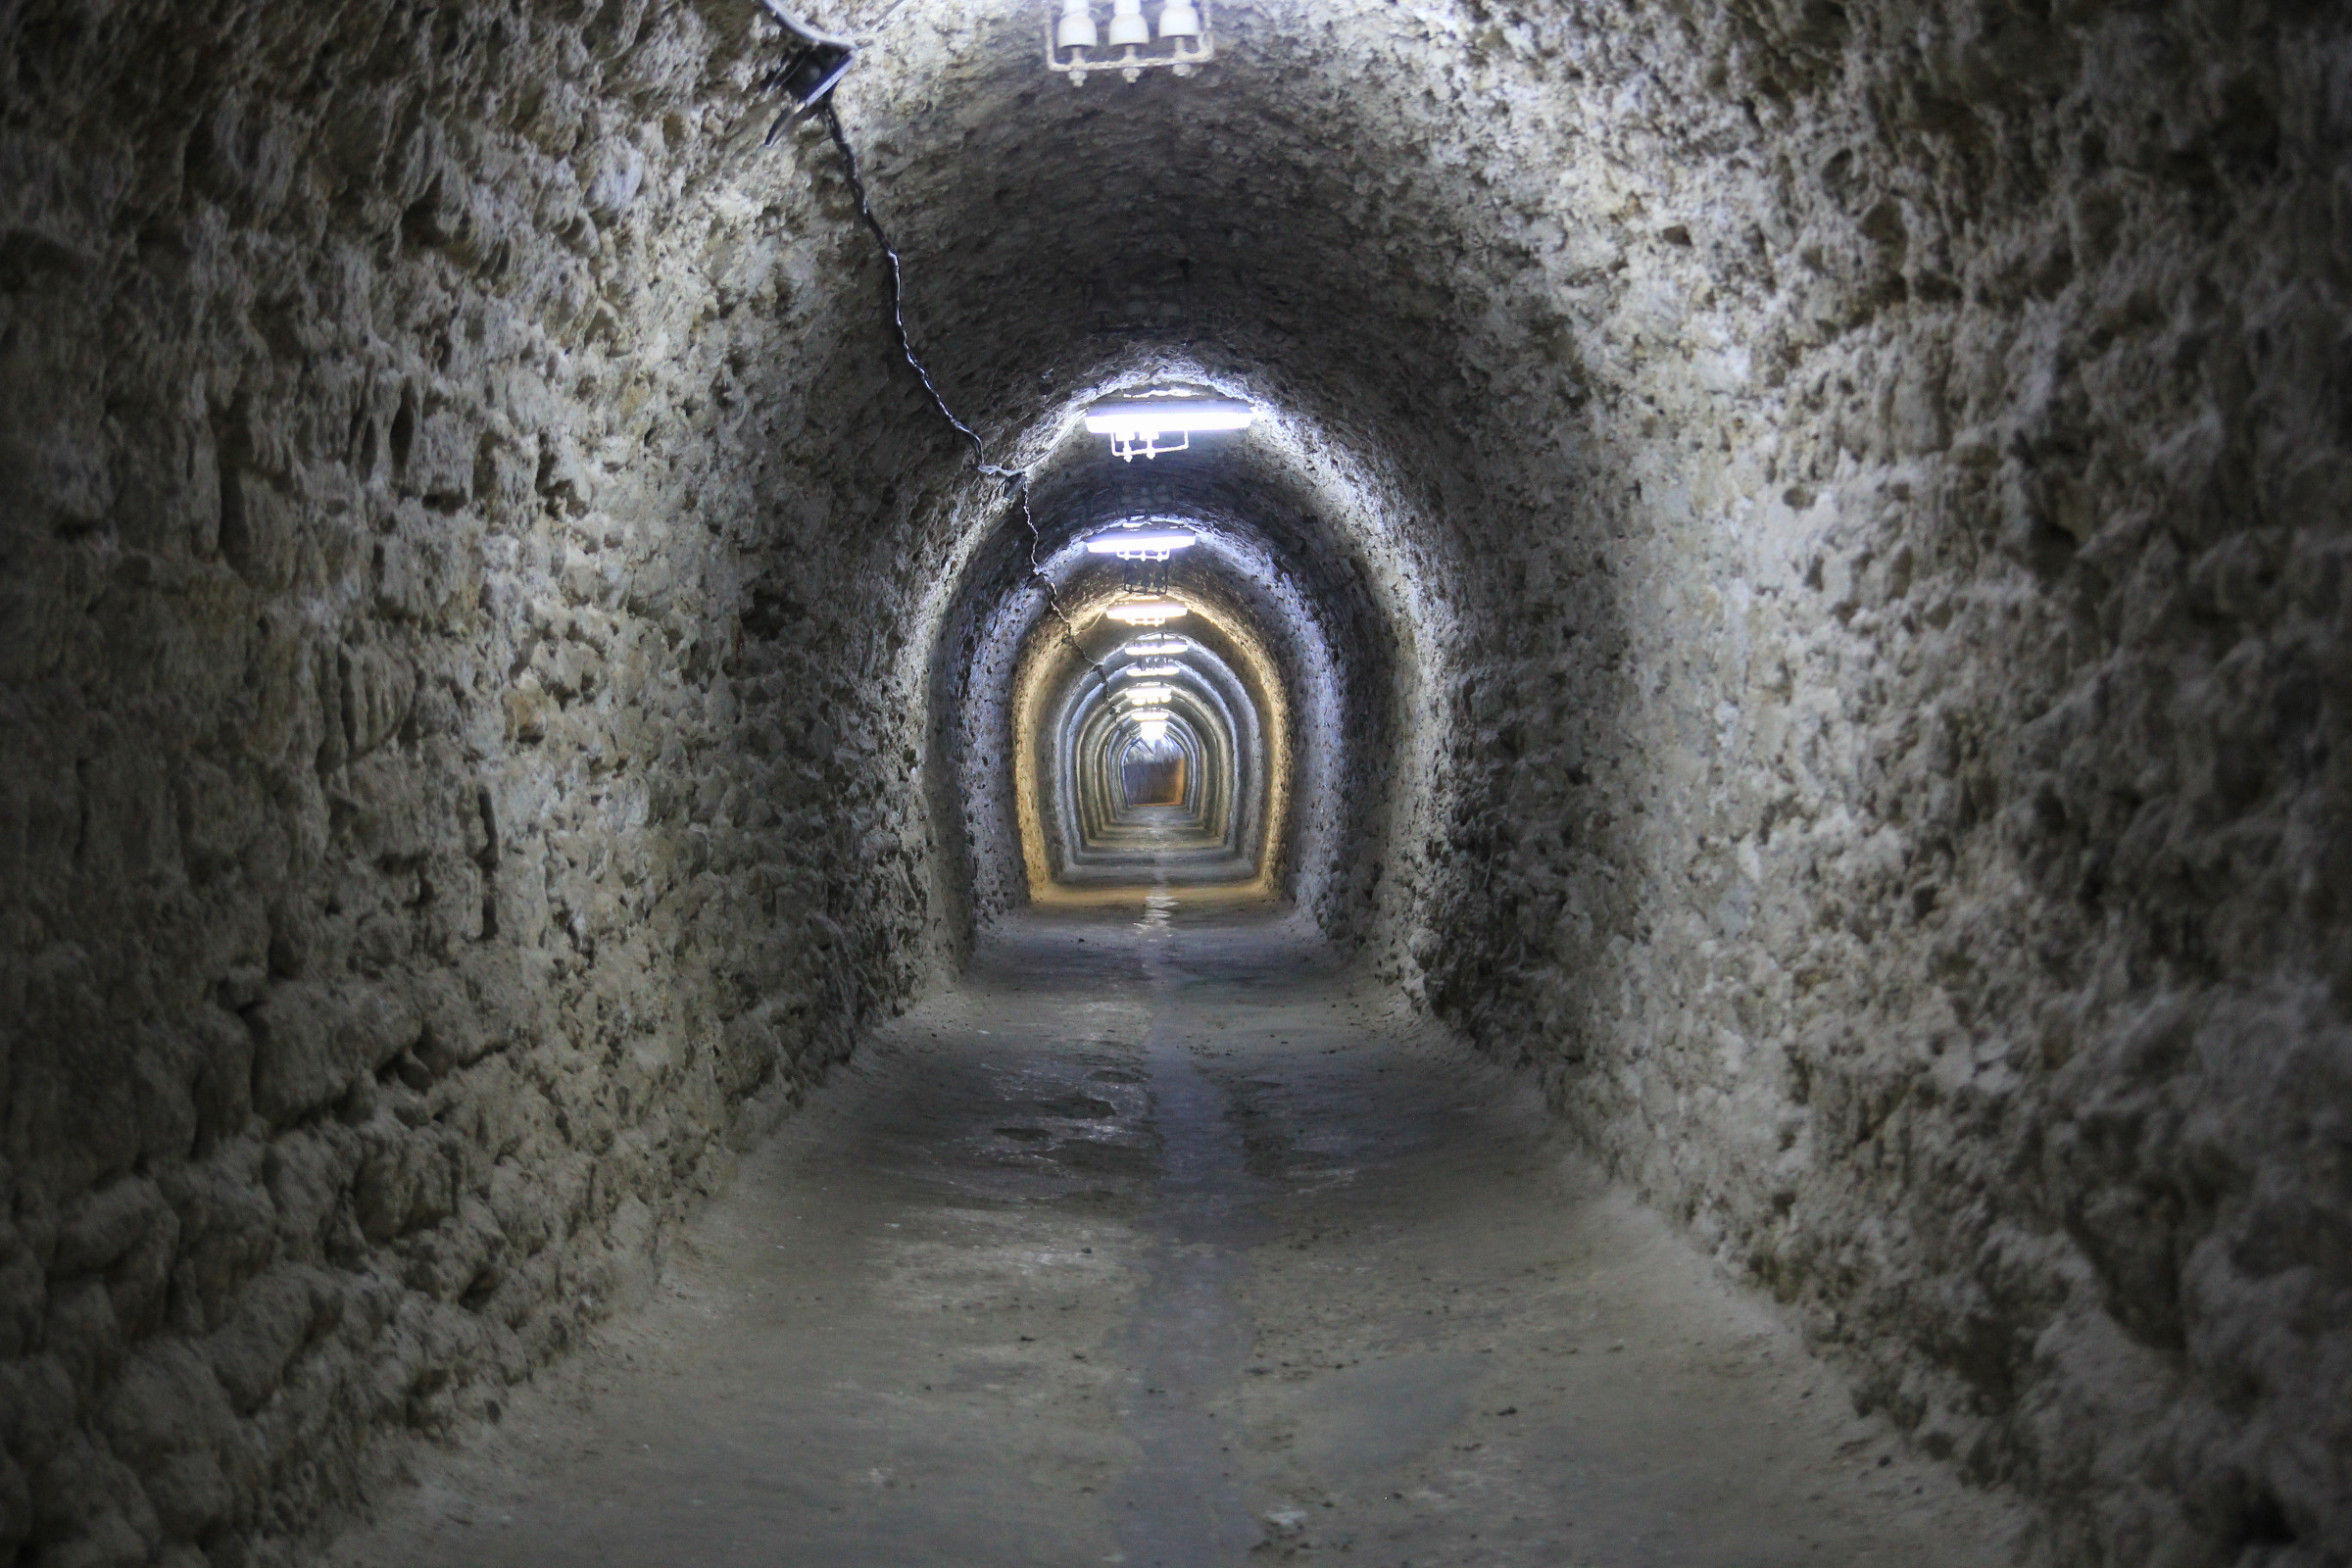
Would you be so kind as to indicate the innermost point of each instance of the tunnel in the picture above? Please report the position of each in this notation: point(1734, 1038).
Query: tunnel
point(1676, 892)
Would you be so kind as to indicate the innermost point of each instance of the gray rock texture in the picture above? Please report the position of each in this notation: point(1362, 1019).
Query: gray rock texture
point(457, 758)
point(1916, 815)
point(1807, 540)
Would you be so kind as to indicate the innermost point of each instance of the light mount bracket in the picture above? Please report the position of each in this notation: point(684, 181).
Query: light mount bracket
point(814, 64)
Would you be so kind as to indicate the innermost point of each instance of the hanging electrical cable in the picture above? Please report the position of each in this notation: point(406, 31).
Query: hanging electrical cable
point(1016, 479)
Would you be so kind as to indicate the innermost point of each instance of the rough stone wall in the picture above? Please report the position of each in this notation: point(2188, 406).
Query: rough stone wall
point(470, 583)
point(455, 720)
point(1918, 820)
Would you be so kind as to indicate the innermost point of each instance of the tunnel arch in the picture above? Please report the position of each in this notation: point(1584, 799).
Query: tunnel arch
point(1307, 605)
point(1821, 524)
point(1233, 733)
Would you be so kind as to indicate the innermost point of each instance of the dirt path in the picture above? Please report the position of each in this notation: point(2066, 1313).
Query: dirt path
point(1161, 1242)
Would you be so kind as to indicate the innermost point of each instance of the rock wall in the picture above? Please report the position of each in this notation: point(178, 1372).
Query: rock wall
point(1915, 794)
point(1829, 523)
point(449, 774)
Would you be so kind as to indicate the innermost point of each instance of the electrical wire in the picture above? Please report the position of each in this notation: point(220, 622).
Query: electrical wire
point(1016, 480)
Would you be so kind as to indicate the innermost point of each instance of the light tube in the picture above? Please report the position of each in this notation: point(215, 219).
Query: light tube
point(1150, 417)
point(1139, 542)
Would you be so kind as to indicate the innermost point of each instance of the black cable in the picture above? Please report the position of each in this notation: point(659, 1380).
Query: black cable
point(1016, 479)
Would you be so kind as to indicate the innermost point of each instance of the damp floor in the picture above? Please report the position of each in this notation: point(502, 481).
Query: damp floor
point(1163, 1239)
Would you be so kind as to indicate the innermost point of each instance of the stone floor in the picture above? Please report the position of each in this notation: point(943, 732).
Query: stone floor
point(1164, 1241)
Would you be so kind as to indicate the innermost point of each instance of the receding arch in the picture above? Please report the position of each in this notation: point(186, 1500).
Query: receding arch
point(1308, 622)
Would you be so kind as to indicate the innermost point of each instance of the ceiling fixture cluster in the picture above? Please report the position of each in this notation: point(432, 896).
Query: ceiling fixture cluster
point(1183, 39)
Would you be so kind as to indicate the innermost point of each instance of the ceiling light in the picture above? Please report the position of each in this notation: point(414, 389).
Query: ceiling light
point(1136, 425)
point(1155, 647)
point(1071, 38)
point(1149, 612)
point(1148, 696)
point(1131, 541)
point(1148, 715)
point(1152, 732)
point(1151, 672)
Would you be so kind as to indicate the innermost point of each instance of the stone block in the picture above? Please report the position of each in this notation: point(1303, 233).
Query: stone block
point(260, 533)
point(16, 1506)
point(90, 1510)
point(407, 1181)
point(389, 811)
point(40, 1409)
point(222, 1090)
point(275, 1317)
point(440, 458)
point(82, 1331)
point(379, 683)
point(166, 1402)
point(312, 1038)
point(171, 494)
point(228, 1230)
point(457, 1027)
point(221, 812)
point(302, 1057)
point(23, 1295)
point(107, 1224)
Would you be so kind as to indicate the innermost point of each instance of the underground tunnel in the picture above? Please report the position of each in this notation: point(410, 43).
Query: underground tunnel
point(1671, 891)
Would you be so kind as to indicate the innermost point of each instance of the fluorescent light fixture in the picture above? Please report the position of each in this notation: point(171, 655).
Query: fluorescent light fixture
point(1148, 715)
point(1136, 425)
point(1150, 671)
point(1152, 732)
point(1168, 415)
point(1154, 612)
point(1156, 647)
point(1134, 542)
point(1151, 696)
